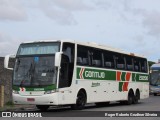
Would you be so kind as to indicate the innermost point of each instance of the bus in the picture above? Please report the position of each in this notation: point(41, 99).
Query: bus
point(67, 72)
point(155, 79)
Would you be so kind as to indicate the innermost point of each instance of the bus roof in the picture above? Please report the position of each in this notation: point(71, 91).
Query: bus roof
point(91, 44)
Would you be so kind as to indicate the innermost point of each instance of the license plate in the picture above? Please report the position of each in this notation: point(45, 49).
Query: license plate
point(30, 99)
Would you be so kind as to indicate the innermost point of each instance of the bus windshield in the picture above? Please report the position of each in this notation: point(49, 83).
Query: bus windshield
point(34, 71)
point(34, 64)
point(155, 78)
point(38, 48)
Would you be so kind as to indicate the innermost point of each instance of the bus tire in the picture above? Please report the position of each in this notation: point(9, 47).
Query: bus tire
point(80, 101)
point(130, 97)
point(42, 107)
point(136, 97)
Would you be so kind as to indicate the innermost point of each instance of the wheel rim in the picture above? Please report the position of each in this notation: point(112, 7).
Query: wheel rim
point(130, 98)
point(81, 100)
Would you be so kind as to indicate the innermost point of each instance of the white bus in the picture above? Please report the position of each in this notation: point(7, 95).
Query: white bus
point(66, 72)
point(155, 79)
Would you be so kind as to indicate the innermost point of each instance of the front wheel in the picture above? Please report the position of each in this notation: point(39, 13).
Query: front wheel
point(80, 102)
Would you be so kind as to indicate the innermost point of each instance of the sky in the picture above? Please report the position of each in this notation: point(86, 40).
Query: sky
point(130, 25)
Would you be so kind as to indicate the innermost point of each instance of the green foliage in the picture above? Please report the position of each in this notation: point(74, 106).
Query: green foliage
point(9, 103)
point(150, 63)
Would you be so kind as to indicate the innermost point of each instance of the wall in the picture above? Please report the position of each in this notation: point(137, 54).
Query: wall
point(6, 79)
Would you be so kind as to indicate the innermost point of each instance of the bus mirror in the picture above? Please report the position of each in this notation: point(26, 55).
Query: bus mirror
point(6, 61)
point(58, 59)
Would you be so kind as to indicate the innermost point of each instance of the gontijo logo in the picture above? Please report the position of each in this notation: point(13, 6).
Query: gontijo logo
point(143, 77)
point(91, 74)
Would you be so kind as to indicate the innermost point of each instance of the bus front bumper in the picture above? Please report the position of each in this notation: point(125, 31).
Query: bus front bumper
point(154, 90)
point(46, 99)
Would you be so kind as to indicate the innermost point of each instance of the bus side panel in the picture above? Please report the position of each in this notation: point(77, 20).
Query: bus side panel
point(145, 90)
point(142, 86)
point(102, 91)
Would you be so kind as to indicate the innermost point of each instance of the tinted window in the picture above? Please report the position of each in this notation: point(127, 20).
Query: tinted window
point(108, 59)
point(143, 63)
point(129, 63)
point(83, 55)
point(96, 57)
point(120, 62)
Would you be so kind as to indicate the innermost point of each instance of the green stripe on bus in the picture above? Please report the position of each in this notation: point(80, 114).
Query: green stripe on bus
point(123, 76)
point(97, 74)
point(133, 77)
point(46, 88)
point(142, 78)
point(120, 86)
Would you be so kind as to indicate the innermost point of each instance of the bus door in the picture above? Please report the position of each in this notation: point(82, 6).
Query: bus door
point(66, 73)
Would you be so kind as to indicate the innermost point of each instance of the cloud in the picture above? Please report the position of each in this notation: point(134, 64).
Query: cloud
point(62, 11)
point(146, 17)
point(12, 10)
point(8, 45)
point(103, 4)
point(152, 23)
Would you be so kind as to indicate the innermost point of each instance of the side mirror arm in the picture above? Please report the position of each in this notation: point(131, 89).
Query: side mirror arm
point(6, 61)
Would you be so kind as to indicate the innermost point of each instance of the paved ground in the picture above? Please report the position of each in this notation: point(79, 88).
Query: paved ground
point(150, 104)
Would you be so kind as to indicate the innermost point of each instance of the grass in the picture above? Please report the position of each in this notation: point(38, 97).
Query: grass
point(8, 105)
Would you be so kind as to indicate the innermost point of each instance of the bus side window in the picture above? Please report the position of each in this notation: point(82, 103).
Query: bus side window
point(129, 63)
point(108, 59)
point(120, 62)
point(79, 60)
point(96, 58)
point(136, 65)
point(108, 64)
point(83, 55)
point(85, 61)
point(143, 65)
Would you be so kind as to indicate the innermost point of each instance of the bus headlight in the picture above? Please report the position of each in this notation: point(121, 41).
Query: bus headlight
point(50, 91)
point(15, 92)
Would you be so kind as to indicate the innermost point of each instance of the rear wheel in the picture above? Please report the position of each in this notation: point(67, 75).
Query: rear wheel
point(80, 102)
point(130, 98)
point(136, 97)
point(42, 107)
